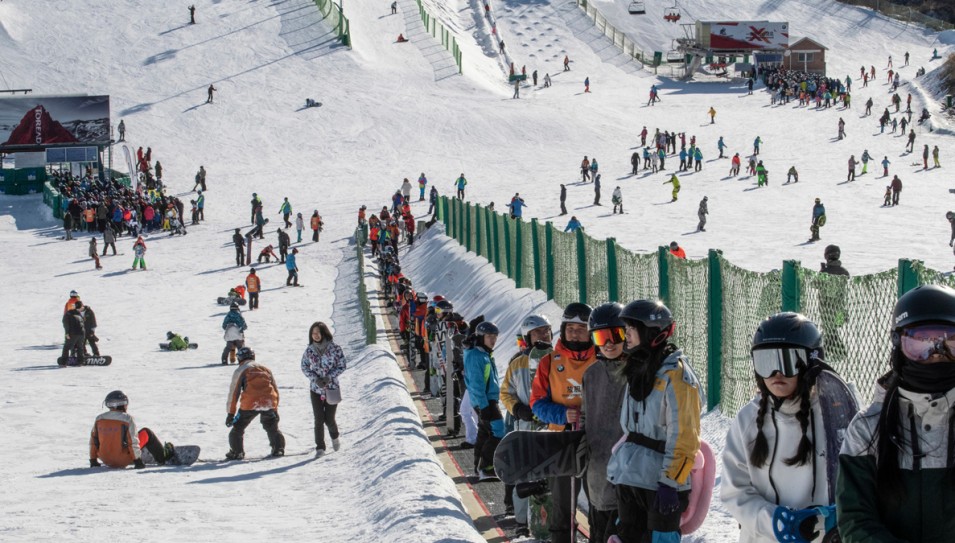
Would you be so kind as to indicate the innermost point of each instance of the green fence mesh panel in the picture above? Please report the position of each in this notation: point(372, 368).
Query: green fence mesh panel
point(565, 268)
point(511, 246)
point(474, 227)
point(854, 315)
point(748, 298)
point(928, 276)
point(500, 248)
point(598, 280)
point(688, 295)
point(527, 248)
point(637, 275)
point(542, 246)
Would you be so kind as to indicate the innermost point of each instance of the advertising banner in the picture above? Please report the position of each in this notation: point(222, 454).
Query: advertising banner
point(748, 35)
point(36, 122)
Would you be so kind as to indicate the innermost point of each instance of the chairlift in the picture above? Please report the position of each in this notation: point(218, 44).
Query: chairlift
point(637, 8)
point(672, 14)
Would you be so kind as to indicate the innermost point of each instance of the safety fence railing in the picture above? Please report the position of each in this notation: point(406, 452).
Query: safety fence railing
point(52, 198)
point(368, 318)
point(902, 13)
point(717, 305)
point(333, 13)
point(439, 31)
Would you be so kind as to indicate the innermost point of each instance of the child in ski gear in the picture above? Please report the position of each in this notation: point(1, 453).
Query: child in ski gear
point(253, 286)
point(292, 269)
point(661, 418)
point(234, 336)
point(254, 393)
point(139, 249)
point(887, 197)
point(775, 460)
point(177, 342)
point(115, 440)
point(483, 386)
point(322, 363)
point(422, 185)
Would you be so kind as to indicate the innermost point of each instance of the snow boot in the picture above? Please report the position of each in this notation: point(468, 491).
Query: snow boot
point(233, 455)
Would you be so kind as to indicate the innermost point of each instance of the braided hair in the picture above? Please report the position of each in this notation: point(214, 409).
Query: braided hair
point(759, 453)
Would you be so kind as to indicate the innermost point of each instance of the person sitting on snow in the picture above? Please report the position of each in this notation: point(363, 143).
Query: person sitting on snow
point(177, 342)
point(115, 441)
point(401, 38)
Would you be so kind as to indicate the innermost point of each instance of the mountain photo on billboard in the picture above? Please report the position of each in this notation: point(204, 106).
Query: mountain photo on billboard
point(53, 121)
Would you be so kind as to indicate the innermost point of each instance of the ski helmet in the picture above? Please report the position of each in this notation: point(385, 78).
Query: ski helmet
point(422, 297)
point(486, 328)
point(74, 294)
point(533, 322)
point(927, 303)
point(443, 307)
point(783, 330)
point(606, 316)
point(115, 399)
point(245, 353)
point(575, 313)
point(652, 319)
point(832, 252)
point(170, 335)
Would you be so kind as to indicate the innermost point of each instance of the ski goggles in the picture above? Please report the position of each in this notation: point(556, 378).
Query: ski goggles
point(788, 361)
point(605, 336)
point(919, 343)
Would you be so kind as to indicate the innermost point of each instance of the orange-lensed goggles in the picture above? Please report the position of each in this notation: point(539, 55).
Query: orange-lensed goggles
point(608, 335)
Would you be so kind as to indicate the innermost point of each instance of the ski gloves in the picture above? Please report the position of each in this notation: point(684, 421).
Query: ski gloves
point(800, 526)
point(523, 412)
point(666, 501)
point(229, 420)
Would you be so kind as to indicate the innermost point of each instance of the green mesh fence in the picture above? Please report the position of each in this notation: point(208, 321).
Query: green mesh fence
point(474, 233)
point(688, 285)
point(748, 298)
point(638, 275)
point(510, 245)
point(566, 289)
point(928, 276)
point(527, 252)
point(598, 278)
point(500, 251)
point(486, 239)
point(855, 316)
point(541, 235)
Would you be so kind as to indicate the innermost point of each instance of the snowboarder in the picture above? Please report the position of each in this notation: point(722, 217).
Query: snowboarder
point(253, 286)
point(885, 166)
point(422, 185)
point(116, 441)
point(75, 328)
point(94, 253)
point(721, 146)
point(756, 144)
point(792, 174)
point(292, 268)
point(139, 249)
point(712, 114)
point(596, 188)
point(239, 243)
point(286, 211)
point(584, 169)
point(617, 199)
point(284, 243)
point(234, 336)
point(267, 254)
point(676, 186)
point(563, 199)
point(254, 393)
point(209, 92)
point(177, 342)
point(852, 169)
point(818, 219)
point(702, 212)
point(322, 363)
point(192, 14)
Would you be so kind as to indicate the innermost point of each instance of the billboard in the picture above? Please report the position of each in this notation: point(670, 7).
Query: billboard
point(32, 123)
point(746, 35)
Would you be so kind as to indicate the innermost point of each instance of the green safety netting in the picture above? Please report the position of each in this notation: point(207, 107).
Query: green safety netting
point(638, 276)
point(527, 254)
point(688, 294)
point(510, 245)
point(566, 289)
point(598, 278)
point(748, 298)
point(854, 315)
point(928, 276)
point(541, 234)
point(500, 250)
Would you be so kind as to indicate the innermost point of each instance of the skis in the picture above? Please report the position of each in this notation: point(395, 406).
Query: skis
point(165, 346)
point(87, 361)
point(183, 455)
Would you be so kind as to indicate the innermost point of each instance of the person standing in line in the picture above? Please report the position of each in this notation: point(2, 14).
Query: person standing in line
point(483, 386)
point(255, 394)
point(322, 363)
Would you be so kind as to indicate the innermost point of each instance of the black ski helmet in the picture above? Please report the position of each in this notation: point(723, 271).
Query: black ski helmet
point(832, 252)
point(245, 353)
point(927, 303)
point(606, 316)
point(575, 313)
point(116, 399)
point(652, 319)
point(486, 328)
point(789, 329)
point(170, 335)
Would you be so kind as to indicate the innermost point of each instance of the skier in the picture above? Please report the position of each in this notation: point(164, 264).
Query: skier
point(702, 212)
point(896, 189)
point(116, 441)
point(818, 219)
point(254, 393)
point(901, 437)
point(594, 167)
point(677, 251)
point(94, 253)
point(721, 146)
point(556, 399)
point(177, 342)
point(200, 208)
point(602, 399)
point(887, 197)
point(460, 183)
point(75, 328)
point(537, 341)
point(573, 225)
point(617, 199)
point(676, 186)
point(209, 91)
point(563, 199)
point(866, 157)
point(235, 327)
point(792, 174)
point(868, 107)
point(122, 130)
point(480, 378)
point(735, 165)
point(316, 225)
point(534, 77)
point(322, 363)
point(774, 463)
point(139, 249)
point(290, 265)
point(661, 418)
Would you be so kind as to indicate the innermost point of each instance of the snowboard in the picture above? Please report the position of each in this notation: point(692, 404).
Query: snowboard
point(839, 406)
point(525, 456)
point(165, 346)
point(87, 361)
point(185, 455)
point(228, 301)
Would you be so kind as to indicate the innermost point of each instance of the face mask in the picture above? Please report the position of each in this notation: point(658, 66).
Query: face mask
point(930, 378)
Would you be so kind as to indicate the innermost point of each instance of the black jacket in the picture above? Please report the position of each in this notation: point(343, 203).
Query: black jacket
point(283, 240)
point(73, 323)
point(238, 240)
point(834, 267)
point(89, 320)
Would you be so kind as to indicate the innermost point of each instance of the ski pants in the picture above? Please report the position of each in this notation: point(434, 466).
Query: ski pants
point(702, 222)
point(815, 231)
point(74, 346)
point(315, 235)
point(559, 522)
point(107, 246)
point(231, 347)
point(141, 261)
point(270, 421)
point(91, 340)
point(285, 217)
point(291, 280)
point(283, 253)
point(521, 508)
point(324, 416)
point(563, 208)
point(486, 442)
point(603, 524)
point(253, 300)
point(239, 255)
point(149, 441)
point(639, 519)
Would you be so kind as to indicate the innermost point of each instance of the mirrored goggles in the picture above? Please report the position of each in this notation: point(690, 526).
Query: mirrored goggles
point(919, 343)
point(788, 361)
point(608, 335)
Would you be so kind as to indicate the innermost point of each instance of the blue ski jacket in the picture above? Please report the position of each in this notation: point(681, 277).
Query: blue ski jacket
point(480, 377)
point(234, 317)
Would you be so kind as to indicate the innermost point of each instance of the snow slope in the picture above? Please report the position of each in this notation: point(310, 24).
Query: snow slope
point(388, 112)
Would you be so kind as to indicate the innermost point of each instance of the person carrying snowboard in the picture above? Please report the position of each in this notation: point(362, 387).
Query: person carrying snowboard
point(483, 386)
point(775, 465)
point(253, 393)
point(235, 327)
point(556, 399)
point(661, 419)
point(602, 399)
point(116, 442)
point(177, 342)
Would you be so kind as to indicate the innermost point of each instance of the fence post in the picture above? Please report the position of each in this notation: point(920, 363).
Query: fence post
point(714, 331)
point(477, 228)
point(790, 290)
point(508, 263)
point(581, 266)
point(549, 255)
point(536, 248)
point(663, 269)
point(613, 287)
point(496, 249)
point(519, 254)
point(467, 226)
point(459, 230)
point(907, 277)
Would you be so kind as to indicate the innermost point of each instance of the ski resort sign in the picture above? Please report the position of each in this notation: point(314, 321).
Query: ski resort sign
point(743, 35)
point(37, 122)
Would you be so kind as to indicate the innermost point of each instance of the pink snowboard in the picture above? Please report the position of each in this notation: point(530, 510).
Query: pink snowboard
point(703, 478)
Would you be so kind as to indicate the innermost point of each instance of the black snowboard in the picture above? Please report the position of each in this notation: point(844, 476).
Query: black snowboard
point(185, 455)
point(525, 456)
point(228, 301)
point(165, 346)
point(88, 361)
